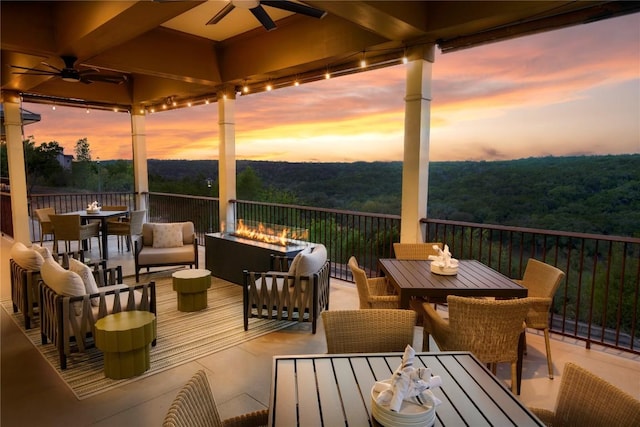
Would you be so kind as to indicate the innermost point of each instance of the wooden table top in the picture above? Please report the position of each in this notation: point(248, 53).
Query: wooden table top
point(332, 390)
point(414, 278)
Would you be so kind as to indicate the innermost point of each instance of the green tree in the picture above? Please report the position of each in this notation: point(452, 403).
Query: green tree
point(42, 165)
point(82, 150)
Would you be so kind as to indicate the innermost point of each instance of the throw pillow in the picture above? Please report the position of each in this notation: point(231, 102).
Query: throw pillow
point(44, 252)
point(311, 263)
point(85, 273)
point(63, 282)
point(296, 260)
point(27, 258)
point(167, 235)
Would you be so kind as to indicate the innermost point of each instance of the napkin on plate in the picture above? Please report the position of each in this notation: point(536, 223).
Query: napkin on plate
point(407, 383)
point(443, 259)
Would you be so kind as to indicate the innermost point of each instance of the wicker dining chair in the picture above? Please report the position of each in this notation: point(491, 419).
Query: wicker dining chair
point(70, 228)
point(490, 329)
point(127, 227)
point(542, 281)
point(584, 399)
point(368, 331)
point(415, 251)
point(372, 292)
point(195, 406)
point(45, 224)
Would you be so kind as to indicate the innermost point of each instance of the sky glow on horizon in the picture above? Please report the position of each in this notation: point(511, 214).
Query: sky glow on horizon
point(574, 91)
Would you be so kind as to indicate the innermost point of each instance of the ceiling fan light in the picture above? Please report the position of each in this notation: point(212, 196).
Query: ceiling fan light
point(246, 4)
point(70, 79)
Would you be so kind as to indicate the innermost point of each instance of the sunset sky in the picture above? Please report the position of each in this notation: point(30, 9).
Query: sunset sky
point(568, 92)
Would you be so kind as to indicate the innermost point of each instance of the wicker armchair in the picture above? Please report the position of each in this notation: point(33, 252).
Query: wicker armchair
point(372, 292)
point(195, 406)
point(490, 329)
point(368, 331)
point(585, 399)
point(542, 281)
point(415, 251)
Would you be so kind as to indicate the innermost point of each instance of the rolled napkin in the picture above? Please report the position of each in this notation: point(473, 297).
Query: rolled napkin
point(408, 383)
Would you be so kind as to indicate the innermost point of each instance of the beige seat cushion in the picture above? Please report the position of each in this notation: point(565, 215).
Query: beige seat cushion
point(150, 256)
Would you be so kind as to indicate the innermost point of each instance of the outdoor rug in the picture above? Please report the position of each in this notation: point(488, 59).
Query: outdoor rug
point(182, 337)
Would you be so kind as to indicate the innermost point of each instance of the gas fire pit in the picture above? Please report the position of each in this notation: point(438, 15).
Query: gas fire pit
point(250, 247)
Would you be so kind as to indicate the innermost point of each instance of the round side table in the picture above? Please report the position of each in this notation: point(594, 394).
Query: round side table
point(191, 286)
point(124, 338)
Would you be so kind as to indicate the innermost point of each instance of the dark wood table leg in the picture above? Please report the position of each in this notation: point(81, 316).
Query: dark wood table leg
point(521, 344)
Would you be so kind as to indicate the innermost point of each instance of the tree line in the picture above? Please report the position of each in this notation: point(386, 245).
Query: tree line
point(589, 194)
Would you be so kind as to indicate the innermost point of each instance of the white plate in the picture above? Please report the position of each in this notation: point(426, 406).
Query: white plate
point(410, 414)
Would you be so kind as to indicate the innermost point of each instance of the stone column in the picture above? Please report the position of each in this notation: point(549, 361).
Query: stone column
point(227, 159)
point(415, 169)
point(139, 149)
point(15, 158)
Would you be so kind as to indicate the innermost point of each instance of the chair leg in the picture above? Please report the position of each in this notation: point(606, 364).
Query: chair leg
point(514, 378)
point(547, 344)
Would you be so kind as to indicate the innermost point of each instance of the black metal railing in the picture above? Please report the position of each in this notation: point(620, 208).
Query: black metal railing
point(597, 302)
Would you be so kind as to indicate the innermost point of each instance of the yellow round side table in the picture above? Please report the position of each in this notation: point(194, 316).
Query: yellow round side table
point(191, 286)
point(124, 338)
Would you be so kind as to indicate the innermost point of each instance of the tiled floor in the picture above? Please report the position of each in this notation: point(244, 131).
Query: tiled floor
point(33, 395)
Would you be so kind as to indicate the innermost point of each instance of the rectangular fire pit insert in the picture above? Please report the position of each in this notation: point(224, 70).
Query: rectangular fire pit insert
point(226, 255)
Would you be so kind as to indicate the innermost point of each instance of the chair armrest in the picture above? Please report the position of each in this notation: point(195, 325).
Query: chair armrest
point(437, 326)
point(545, 415)
point(280, 263)
point(137, 244)
point(257, 418)
point(108, 276)
point(378, 286)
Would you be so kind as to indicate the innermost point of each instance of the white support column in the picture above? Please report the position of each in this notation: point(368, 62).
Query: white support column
point(15, 158)
point(415, 169)
point(227, 160)
point(139, 148)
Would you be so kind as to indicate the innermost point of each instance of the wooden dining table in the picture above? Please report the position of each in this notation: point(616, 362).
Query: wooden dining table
point(335, 390)
point(412, 278)
point(103, 216)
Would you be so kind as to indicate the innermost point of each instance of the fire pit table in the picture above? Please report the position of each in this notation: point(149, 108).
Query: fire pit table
point(227, 255)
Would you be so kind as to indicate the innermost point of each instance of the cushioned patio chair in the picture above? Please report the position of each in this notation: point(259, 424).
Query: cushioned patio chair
point(368, 331)
point(415, 251)
point(300, 292)
point(165, 244)
point(584, 399)
point(490, 329)
point(72, 301)
point(195, 406)
point(542, 281)
point(372, 292)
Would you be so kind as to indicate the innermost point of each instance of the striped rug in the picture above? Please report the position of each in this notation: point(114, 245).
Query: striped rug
point(182, 337)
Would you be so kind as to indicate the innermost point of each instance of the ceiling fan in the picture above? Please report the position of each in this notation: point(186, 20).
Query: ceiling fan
point(255, 7)
point(71, 74)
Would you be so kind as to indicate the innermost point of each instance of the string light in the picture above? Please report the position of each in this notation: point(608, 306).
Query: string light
point(269, 87)
point(188, 104)
point(296, 83)
point(363, 61)
point(88, 111)
point(206, 102)
point(327, 76)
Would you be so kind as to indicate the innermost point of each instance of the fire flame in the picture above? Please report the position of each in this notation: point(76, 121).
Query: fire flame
point(262, 233)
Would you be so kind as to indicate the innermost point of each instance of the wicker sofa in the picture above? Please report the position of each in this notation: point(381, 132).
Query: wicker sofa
point(294, 289)
point(165, 244)
point(69, 311)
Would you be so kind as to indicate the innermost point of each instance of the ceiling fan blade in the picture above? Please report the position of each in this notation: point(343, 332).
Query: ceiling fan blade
point(30, 69)
point(224, 12)
point(51, 66)
point(105, 78)
point(36, 73)
point(262, 16)
point(296, 8)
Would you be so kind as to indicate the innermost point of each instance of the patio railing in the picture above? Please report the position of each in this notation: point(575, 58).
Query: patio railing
point(597, 302)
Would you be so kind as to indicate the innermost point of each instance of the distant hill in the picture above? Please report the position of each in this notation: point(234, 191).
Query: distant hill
point(590, 194)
